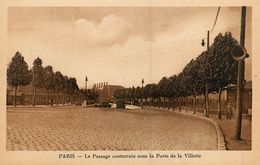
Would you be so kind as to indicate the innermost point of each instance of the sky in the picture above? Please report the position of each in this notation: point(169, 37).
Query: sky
point(119, 45)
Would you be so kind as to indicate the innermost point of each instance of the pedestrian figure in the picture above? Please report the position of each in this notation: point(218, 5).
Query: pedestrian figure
point(229, 111)
point(249, 111)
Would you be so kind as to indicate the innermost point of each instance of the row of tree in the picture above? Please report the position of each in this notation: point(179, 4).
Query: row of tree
point(19, 74)
point(213, 71)
point(90, 95)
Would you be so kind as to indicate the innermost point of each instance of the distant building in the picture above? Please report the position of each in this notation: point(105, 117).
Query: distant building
point(106, 93)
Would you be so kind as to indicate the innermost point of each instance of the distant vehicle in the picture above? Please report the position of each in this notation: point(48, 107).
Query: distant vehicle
point(113, 105)
point(78, 103)
point(105, 105)
point(120, 105)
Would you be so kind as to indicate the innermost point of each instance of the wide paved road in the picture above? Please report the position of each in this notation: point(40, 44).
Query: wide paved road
point(76, 128)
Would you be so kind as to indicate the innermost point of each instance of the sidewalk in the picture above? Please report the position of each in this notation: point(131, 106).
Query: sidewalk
point(27, 106)
point(228, 128)
point(36, 106)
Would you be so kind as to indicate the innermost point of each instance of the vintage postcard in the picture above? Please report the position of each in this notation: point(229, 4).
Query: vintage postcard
point(129, 82)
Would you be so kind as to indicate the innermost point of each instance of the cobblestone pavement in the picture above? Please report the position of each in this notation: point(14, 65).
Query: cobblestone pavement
point(77, 128)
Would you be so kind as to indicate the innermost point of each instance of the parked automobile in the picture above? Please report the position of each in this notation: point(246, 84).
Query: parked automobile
point(105, 105)
point(120, 105)
point(78, 103)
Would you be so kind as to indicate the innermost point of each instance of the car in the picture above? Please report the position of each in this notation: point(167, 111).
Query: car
point(105, 105)
point(120, 105)
point(78, 103)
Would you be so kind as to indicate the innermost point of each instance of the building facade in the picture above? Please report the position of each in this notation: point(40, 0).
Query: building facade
point(106, 93)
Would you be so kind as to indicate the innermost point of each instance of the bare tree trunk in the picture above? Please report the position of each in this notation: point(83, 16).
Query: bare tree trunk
point(206, 99)
point(74, 99)
point(204, 104)
point(163, 102)
point(179, 103)
point(34, 95)
point(186, 104)
point(219, 103)
point(15, 93)
point(63, 99)
point(48, 97)
point(169, 102)
point(194, 103)
point(57, 99)
point(173, 105)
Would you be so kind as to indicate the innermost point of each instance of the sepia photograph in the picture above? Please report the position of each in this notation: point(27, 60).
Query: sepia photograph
point(129, 78)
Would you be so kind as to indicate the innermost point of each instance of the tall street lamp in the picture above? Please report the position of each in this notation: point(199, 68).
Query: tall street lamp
point(86, 87)
point(86, 83)
point(142, 106)
point(206, 82)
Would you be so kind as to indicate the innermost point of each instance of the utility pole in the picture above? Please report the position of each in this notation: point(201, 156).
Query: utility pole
point(206, 85)
point(142, 106)
point(34, 88)
point(86, 87)
point(86, 83)
point(108, 92)
point(206, 81)
point(240, 78)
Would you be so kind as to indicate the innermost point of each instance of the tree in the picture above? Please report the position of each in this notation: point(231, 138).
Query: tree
point(117, 95)
point(138, 94)
point(147, 93)
point(128, 94)
point(205, 61)
point(72, 87)
point(224, 68)
point(37, 76)
point(191, 73)
point(132, 94)
point(181, 90)
point(154, 93)
point(92, 95)
point(48, 80)
point(173, 85)
point(163, 89)
point(185, 87)
point(59, 84)
point(65, 88)
point(18, 73)
point(120, 94)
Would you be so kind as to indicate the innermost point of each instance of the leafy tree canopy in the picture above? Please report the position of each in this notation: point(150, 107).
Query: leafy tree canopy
point(17, 71)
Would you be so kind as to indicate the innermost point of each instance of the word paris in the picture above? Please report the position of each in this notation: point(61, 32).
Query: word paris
point(145, 156)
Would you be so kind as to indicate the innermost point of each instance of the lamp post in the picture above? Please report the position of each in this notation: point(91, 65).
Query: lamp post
point(142, 106)
point(86, 87)
point(86, 83)
point(206, 82)
point(33, 80)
